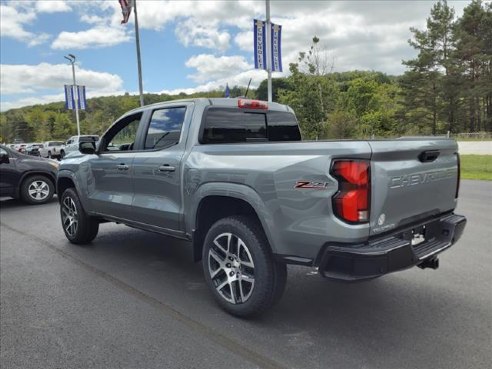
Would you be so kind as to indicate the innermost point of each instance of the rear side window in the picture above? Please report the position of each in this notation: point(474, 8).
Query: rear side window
point(230, 125)
point(165, 128)
point(283, 126)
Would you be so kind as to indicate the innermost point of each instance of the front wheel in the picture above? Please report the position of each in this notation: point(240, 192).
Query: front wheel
point(79, 227)
point(239, 267)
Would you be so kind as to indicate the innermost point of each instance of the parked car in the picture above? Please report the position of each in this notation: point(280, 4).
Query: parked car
point(21, 147)
point(72, 144)
point(33, 149)
point(233, 177)
point(53, 149)
point(29, 178)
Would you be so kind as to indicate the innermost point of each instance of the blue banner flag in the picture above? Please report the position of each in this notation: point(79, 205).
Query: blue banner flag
point(227, 92)
point(69, 99)
point(82, 102)
point(259, 32)
point(276, 48)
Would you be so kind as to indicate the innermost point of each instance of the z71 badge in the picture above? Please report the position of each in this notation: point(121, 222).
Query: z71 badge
point(311, 185)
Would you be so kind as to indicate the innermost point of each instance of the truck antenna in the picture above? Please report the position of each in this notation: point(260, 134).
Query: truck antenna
point(246, 93)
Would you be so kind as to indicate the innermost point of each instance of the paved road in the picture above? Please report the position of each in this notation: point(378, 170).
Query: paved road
point(134, 300)
point(475, 147)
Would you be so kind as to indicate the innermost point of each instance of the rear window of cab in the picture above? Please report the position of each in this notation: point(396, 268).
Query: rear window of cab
point(233, 125)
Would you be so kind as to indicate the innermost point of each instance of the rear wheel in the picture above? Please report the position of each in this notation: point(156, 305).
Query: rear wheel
point(37, 189)
point(239, 267)
point(79, 227)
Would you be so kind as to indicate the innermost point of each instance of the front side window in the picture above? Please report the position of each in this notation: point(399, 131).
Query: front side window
point(121, 137)
point(165, 128)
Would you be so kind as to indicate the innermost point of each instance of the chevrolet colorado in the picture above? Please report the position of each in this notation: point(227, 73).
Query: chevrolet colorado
point(233, 177)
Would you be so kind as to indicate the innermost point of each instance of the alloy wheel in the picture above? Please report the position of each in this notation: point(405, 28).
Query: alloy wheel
point(70, 216)
point(39, 190)
point(231, 268)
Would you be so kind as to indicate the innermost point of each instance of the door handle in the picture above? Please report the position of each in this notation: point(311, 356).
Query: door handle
point(122, 167)
point(166, 168)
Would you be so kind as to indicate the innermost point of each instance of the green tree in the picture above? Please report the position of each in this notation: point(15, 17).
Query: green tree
point(277, 85)
point(473, 41)
point(428, 85)
point(314, 93)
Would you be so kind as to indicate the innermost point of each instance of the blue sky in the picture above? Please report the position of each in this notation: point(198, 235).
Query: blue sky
point(188, 45)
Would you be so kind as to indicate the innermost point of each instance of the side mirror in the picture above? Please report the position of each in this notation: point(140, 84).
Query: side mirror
point(87, 148)
point(4, 158)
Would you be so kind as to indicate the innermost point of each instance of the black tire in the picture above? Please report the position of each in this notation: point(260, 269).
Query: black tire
point(246, 257)
point(62, 154)
point(49, 155)
point(37, 189)
point(79, 228)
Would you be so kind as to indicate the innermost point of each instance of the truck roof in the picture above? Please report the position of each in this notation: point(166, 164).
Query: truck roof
point(215, 101)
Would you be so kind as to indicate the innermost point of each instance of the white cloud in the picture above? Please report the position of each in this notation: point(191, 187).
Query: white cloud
point(238, 79)
point(190, 32)
point(46, 99)
point(358, 34)
point(209, 67)
point(52, 6)
point(29, 79)
point(42, 82)
point(99, 36)
point(13, 22)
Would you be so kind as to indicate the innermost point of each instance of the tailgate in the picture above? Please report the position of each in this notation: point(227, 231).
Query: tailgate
point(412, 179)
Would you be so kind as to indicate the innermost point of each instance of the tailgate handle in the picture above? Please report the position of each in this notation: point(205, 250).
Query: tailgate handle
point(428, 156)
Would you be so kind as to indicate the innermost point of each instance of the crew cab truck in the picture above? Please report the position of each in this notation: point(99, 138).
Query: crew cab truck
point(234, 178)
point(52, 149)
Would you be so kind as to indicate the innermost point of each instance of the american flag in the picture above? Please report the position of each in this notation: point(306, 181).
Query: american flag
point(126, 9)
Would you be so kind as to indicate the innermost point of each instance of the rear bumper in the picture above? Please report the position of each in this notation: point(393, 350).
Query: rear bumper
point(391, 253)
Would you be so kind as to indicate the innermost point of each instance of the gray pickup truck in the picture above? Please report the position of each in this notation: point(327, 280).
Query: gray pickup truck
point(233, 177)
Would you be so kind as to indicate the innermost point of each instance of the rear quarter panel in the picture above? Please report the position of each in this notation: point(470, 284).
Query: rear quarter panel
point(297, 221)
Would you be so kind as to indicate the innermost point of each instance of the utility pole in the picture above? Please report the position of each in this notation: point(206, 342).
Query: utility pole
point(139, 61)
point(268, 49)
point(75, 92)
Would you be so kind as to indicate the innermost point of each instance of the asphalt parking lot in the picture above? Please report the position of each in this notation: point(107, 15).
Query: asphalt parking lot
point(135, 300)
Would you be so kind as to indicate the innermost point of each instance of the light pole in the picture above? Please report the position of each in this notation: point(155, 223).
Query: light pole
point(268, 28)
point(75, 92)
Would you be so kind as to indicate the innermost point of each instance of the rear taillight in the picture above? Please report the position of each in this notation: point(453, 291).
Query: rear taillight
point(352, 201)
point(458, 177)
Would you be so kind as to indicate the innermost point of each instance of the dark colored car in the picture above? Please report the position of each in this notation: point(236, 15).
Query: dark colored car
point(33, 149)
point(29, 178)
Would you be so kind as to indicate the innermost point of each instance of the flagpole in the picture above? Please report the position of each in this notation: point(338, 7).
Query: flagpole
point(139, 61)
point(75, 92)
point(268, 49)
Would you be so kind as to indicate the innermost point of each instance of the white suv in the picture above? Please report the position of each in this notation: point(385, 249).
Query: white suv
point(52, 149)
point(72, 145)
